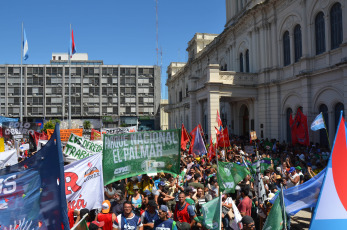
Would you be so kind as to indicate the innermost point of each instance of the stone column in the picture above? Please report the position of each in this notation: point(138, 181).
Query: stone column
point(305, 30)
point(213, 106)
point(193, 114)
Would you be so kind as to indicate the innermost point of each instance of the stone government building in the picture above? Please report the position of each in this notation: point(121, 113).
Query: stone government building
point(273, 57)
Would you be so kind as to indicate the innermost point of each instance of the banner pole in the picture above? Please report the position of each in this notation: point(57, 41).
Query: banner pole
point(220, 212)
point(283, 209)
point(326, 131)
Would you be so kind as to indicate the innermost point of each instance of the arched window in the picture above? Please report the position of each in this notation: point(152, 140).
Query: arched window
point(297, 43)
point(286, 48)
point(289, 131)
point(241, 62)
point(247, 61)
point(320, 33)
point(338, 107)
point(336, 25)
point(323, 133)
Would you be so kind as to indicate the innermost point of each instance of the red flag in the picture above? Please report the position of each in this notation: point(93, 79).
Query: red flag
point(192, 134)
point(218, 120)
point(184, 138)
point(43, 136)
point(211, 151)
point(223, 138)
point(217, 131)
point(72, 45)
point(299, 128)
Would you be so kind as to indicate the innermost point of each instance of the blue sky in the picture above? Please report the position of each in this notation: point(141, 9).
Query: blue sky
point(115, 31)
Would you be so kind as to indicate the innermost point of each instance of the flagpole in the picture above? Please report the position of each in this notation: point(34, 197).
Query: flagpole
point(220, 211)
point(21, 78)
point(70, 50)
point(283, 209)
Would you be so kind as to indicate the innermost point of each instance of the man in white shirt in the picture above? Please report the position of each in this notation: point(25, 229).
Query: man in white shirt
point(293, 179)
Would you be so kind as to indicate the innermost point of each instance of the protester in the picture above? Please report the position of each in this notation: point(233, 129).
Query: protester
point(95, 225)
point(164, 222)
point(105, 215)
point(127, 220)
point(150, 215)
point(183, 211)
point(248, 223)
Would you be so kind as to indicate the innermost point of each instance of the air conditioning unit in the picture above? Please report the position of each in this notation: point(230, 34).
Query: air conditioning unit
point(108, 84)
point(115, 95)
point(34, 94)
point(46, 75)
point(10, 83)
point(77, 94)
point(29, 104)
point(35, 75)
point(10, 94)
point(110, 104)
point(152, 114)
point(90, 94)
point(122, 94)
point(90, 84)
point(29, 114)
point(150, 84)
point(104, 113)
point(10, 104)
point(59, 75)
point(10, 114)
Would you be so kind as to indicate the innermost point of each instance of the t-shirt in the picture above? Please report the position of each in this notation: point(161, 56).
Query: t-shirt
point(165, 225)
point(245, 206)
point(122, 223)
point(147, 217)
point(190, 209)
point(289, 182)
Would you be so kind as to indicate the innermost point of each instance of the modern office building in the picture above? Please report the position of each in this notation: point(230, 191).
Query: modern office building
point(272, 58)
point(113, 94)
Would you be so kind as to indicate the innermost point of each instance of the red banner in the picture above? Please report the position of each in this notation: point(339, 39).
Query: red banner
point(223, 138)
point(299, 129)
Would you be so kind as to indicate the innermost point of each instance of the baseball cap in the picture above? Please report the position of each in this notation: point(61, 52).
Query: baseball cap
point(292, 169)
point(183, 225)
point(106, 205)
point(298, 168)
point(99, 224)
point(147, 192)
point(247, 220)
point(164, 208)
point(270, 196)
point(135, 187)
point(161, 183)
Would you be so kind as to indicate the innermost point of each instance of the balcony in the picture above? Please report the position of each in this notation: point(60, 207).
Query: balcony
point(235, 78)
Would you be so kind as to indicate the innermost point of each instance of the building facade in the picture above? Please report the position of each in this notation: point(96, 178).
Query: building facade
point(114, 94)
point(273, 57)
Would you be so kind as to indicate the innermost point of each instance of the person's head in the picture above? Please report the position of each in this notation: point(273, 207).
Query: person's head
point(163, 212)
point(182, 225)
point(161, 185)
point(200, 192)
point(83, 212)
point(245, 191)
point(118, 195)
point(145, 199)
point(127, 208)
point(298, 169)
point(284, 164)
point(248, 223)
point(197, 176)
point(95, 225)
point(109, 186)
point(152, 206)
point(292, 171)
point(106, 205)
point(136, 189)
point(181, 198)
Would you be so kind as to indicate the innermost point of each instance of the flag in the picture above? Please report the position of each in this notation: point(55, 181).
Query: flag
point(318, 123)
point(84, 184)
point(217, 131)
point(192, 134)
point(95, 135)
point(211, 213)
point(184, 138)
point(25, 47)
point(218, 120)
point(72, 45)
point(276, 219)
point(32, 143)
point(229, 175)
point(82, 224)
point(211, 151)
point(331, 208)
point(223, 138)
point(199, 146)
point(302, 196)
point(35, 190)
point(299, 129)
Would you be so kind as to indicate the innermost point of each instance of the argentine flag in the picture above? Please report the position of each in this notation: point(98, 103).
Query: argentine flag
point(25, 47)
point(318, 123)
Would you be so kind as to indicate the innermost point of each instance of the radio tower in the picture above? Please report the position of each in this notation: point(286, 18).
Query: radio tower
point(156, 27)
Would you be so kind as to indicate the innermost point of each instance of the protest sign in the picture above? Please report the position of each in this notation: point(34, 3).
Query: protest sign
point(2, 144)
point(65, 133)
point(33, 191)
point(19, 128)
point(8, 157)
point(131, 154)
point(120, 130)
point(84, 186)
point(80, 148)
point(249, 149)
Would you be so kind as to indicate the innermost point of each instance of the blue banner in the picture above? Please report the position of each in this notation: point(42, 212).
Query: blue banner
point(32, 192)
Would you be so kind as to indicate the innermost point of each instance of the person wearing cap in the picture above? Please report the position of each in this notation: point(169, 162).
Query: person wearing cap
point(105, 215)
point(298, 171)
point(183, 211)
point(248, 223)
point(164, 223)
point(127, 220)
point(293, 179)
point(136, 199)
point(129, 187)
point(95, 225)
point(149, 215)
point(146, 184)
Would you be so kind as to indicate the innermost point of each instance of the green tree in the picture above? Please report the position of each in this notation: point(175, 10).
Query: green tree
point(87, 124)
point(50, 124)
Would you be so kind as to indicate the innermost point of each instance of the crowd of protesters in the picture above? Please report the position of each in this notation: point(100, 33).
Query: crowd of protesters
point(165, 201)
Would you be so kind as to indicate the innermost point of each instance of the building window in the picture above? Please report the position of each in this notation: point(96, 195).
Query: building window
point(286, 49)
point(289, 131)
point(322, 132)
point(241, 62)
point(338, 108)
point(336, 25)
point(320, 33)
point(247, 61)
point(297, 42)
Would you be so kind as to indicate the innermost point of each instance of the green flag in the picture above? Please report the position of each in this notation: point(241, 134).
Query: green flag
point(229, 175)
point(211, 213)
point(131, 154)
point(277, 216)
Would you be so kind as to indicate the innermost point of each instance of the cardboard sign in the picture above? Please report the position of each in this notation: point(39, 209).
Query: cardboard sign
point(65, 133)
point(253, 136)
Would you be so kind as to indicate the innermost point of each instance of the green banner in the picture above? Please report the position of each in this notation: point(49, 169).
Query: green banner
point(79, 148)
point(211, 213)
point(131, 154)
point(229, 175)
point(276, 219)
